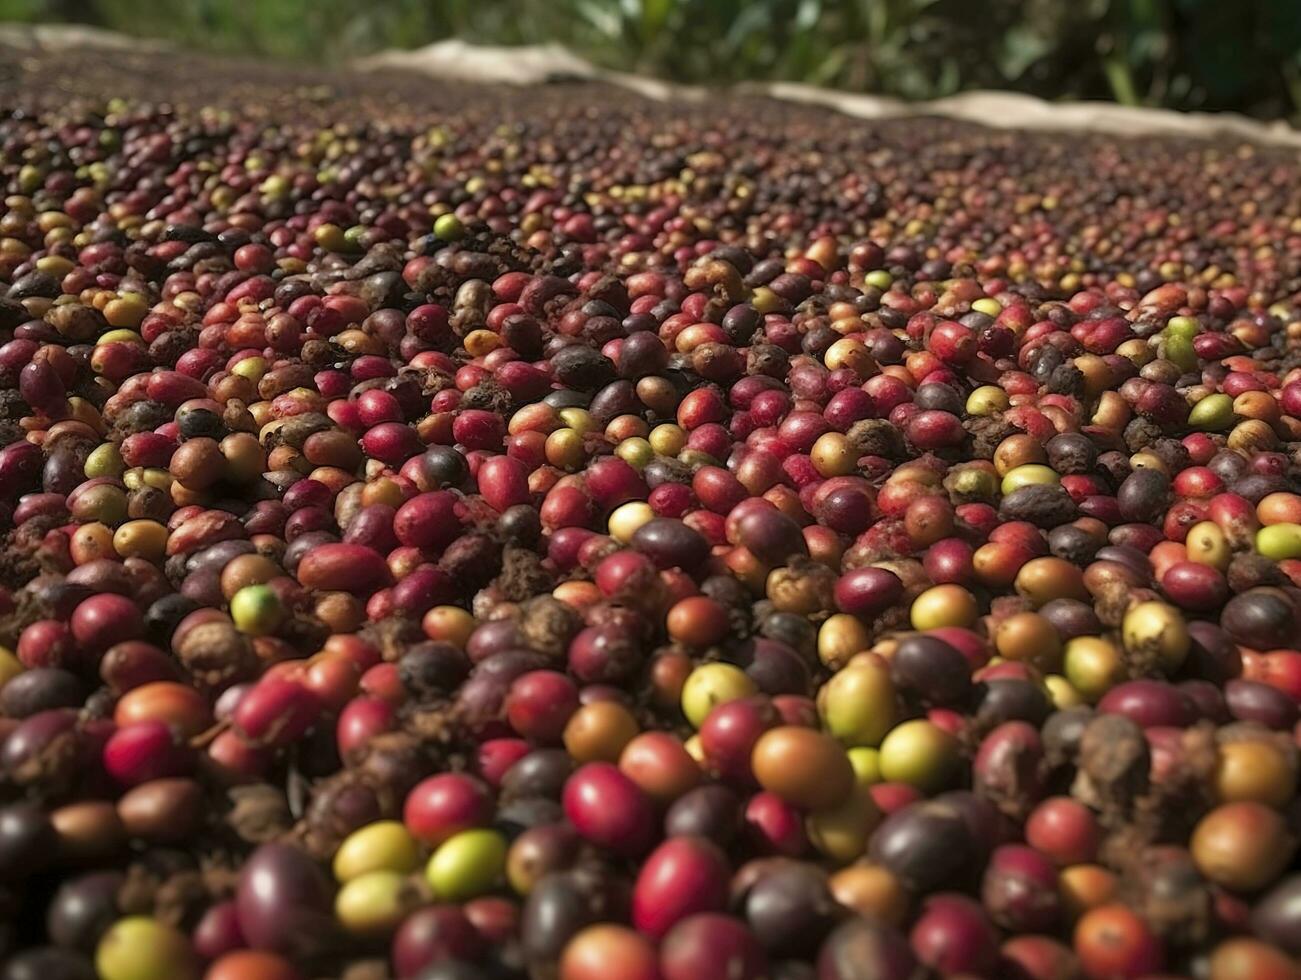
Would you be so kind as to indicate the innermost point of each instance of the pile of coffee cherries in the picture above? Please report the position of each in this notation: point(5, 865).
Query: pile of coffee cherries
point(455, 533)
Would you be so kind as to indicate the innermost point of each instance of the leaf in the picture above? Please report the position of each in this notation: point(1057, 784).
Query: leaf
point(23, 10)
point(1021, 48)
point(1148, 45)
point(830, 67)
point(654, 16)
point(751, 20)
point(600, 16)
point(808, 13)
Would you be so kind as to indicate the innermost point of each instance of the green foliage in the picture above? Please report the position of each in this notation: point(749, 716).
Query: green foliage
point(1187, 54)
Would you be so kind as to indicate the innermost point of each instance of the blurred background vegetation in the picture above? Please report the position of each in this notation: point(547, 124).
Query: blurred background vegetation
point(1183, 54)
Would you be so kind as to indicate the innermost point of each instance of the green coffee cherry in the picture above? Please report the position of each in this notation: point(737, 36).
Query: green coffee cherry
point(972, 483)
point(104, 460)
point(1180, 350)
point(1093, 666)
point(857, 705)
point(374, 903)
point(866, 763)
point(1279, 541)
point(710, 685)
point(467, 864)
point(842, 832)
point(141, 948)
point(330, 237)
point(919, 753)
point(385, 845)
point(448, 228)
point(1212, 413)
point(986, 400)
point(635, 451)
point(1029, 474)
point(256, 610)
